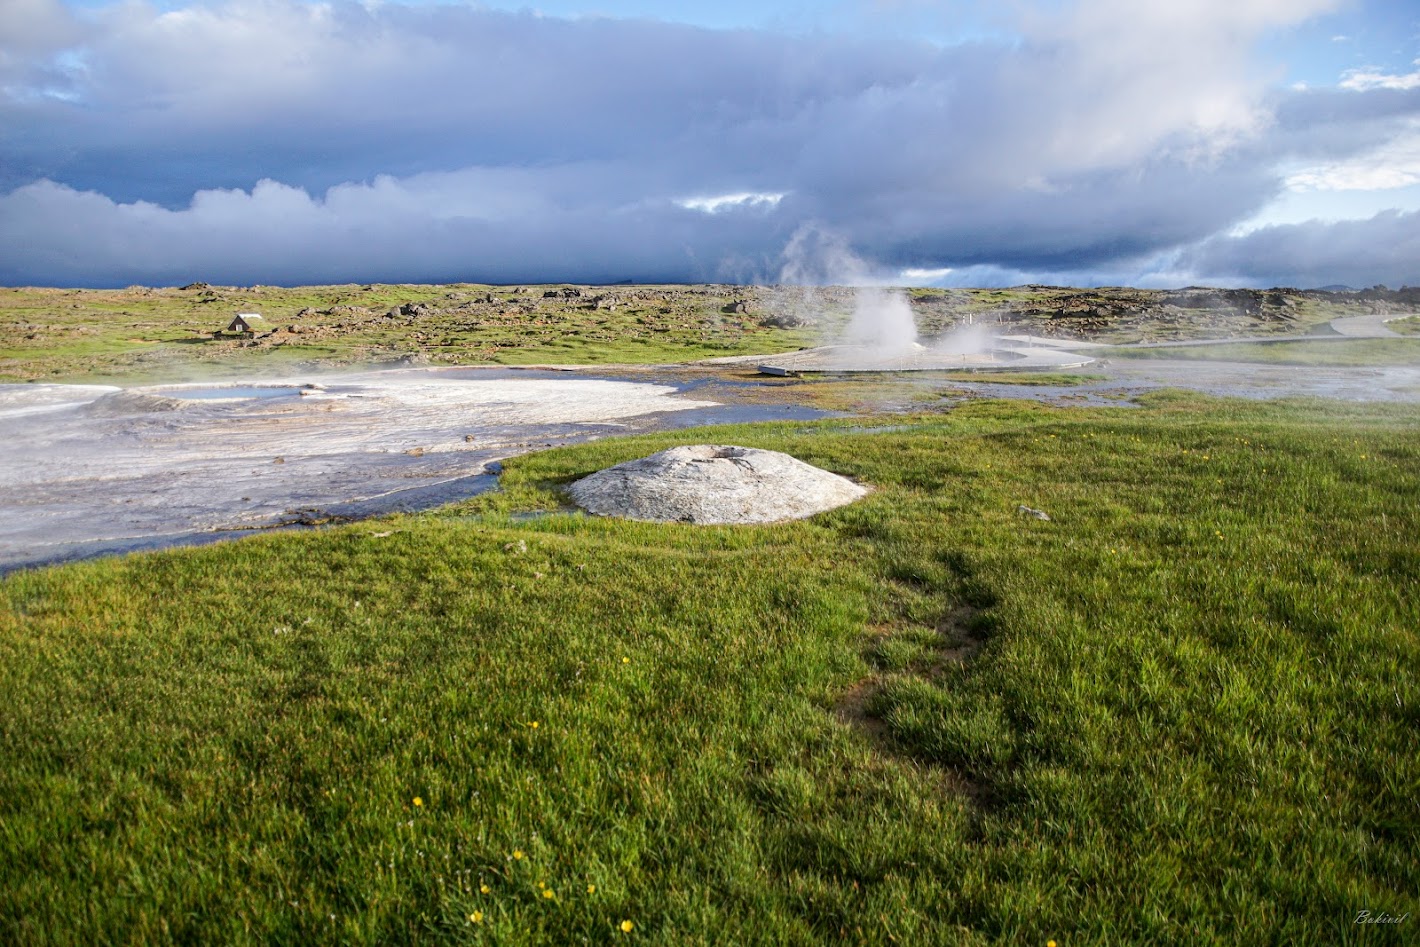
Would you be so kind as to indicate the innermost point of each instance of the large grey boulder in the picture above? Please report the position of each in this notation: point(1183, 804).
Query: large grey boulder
point(708, 483)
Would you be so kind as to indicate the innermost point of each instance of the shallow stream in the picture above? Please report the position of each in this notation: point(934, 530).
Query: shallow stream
point(90, 470)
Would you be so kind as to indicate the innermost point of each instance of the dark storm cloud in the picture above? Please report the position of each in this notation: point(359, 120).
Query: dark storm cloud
point(1328, 124)
point(316, 96)
point(1359, 253)
point(442, 142)
point(388, 231)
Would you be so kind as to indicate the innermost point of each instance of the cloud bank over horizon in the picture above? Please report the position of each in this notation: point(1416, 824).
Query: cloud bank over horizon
point(281, 141)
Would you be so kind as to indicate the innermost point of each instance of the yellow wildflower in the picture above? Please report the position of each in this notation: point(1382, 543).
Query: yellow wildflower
point(547, 892)
point(518, 854)
point(476, 917)
point(484, 889)
point(626, 927)
point(418, 801)
point(591, 889)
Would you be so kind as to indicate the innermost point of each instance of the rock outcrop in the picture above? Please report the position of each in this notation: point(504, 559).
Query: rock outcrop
point(713, 484)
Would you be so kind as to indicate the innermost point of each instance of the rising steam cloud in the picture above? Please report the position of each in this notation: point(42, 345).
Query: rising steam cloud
point(882, 322)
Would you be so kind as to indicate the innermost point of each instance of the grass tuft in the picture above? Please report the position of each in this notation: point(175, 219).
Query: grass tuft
point(1181, 709)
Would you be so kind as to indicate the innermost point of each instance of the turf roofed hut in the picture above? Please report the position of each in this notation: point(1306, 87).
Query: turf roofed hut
point(240, 326)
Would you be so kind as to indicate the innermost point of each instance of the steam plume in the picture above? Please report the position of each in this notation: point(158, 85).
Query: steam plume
point(882, 320)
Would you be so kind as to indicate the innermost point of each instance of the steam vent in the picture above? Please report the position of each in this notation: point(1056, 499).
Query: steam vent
point(713, 484)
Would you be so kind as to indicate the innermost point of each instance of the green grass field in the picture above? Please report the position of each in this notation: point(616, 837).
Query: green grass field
point(144, 335)
point(1183, 710)
point(1407, 326)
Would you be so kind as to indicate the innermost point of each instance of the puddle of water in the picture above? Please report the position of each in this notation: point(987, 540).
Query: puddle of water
point(131, 478)
point(1096, 395)
point(744, 414)
point(1127, 379)
point(493, 373)
point(407, 500)
point(230, 392)
point(412, 499)
point(77, 484)
point(1250, 380)
point(704, 385)
point(729, 383)
point(117, 547)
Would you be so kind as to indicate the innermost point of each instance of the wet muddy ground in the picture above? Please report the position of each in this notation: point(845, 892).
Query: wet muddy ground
point(90, 470)
point(93, 469)
point(1116, 383)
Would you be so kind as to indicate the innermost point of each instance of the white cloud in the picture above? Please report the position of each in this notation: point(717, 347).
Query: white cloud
point(1393, 165)
point(743, 199)
point(1362, 80)
point(275, 140)
point(1148, 76)
point(915, 274)
point(35, 27)
point(1380, 249)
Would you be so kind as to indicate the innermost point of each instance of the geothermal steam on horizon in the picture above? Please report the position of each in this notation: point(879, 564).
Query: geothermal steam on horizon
point(970, 339)
point(882, 320)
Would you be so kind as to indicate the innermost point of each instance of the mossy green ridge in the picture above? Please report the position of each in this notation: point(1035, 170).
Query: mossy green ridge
point(146, 334)
point(1183, 709)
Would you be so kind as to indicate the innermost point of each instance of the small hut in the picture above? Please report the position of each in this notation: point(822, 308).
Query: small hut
point(240, 326)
